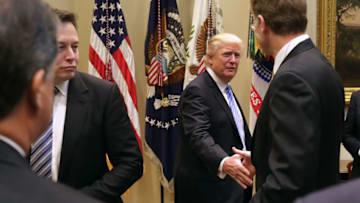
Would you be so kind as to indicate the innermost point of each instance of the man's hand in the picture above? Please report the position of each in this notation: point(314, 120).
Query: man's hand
point(236, 170)
point(246, 160)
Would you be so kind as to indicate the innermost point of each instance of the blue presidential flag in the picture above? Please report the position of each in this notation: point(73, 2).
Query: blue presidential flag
point(165, 58)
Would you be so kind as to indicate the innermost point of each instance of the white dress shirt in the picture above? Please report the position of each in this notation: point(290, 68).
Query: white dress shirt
point(286, 49)
point(59, 111)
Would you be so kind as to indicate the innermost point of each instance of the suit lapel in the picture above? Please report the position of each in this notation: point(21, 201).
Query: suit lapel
point(219, 97)
point(224, 105)
point(76, 114)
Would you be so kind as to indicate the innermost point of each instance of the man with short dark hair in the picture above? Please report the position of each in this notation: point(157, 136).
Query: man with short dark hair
point(90, 121)
point(298, 130)
point(27, 51)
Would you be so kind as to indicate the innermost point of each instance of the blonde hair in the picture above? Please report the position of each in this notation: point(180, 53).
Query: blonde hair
point(219, 39)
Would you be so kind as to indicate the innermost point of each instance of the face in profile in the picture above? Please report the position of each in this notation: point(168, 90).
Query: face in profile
point(68, 53)
point(225, 61)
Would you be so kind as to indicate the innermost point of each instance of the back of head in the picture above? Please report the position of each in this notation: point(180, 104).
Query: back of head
point(220, 39)
point(28, 44)
point(282, 16)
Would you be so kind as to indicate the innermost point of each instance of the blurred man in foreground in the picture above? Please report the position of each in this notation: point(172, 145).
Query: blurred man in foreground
point(27, 51)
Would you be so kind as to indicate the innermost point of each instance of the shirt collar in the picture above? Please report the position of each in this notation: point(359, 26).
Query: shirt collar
point(63, 87)
point(13, 145)
point(286, 49)
point(221, 85)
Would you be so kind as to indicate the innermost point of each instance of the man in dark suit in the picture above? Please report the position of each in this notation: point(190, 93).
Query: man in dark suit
point(212, 123)
point(299, 127)
point(90, 120)
point(28, 49)
point(351, 138)
point(346, 192)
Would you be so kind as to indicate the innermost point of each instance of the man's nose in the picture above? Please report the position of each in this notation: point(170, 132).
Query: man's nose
point(70, 53)
point(233, 58)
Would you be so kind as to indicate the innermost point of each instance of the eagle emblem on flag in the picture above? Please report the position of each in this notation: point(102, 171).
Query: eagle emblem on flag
point(166, 51)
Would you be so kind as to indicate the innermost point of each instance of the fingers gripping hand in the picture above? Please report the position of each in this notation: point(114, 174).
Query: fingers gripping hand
point(236, 170)
point(246, 160)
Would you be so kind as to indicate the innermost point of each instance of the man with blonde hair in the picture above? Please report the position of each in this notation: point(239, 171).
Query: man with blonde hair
point(212, 123)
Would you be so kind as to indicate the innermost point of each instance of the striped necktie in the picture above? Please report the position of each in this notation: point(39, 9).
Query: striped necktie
point(41, 151)
point(40, 155)
point(236, 114)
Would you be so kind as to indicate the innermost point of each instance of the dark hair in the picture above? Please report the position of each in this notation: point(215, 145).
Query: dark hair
point(27, 45)
point(282, 16)
point(66, 16)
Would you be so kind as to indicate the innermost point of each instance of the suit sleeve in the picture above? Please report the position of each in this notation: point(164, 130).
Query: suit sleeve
point(122, 148)
point(196, 119)
point(350, 140)
point(294, 123)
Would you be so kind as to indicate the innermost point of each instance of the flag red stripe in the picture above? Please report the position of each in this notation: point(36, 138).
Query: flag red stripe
point(97, 63)
point(123, 66)
point(100, 68)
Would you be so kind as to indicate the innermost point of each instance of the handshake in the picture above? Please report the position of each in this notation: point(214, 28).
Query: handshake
point(240, 168)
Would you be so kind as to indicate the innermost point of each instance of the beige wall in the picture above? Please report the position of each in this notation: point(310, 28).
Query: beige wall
point(236, 14)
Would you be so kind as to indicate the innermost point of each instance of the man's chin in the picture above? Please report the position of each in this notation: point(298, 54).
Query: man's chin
point(64, 77)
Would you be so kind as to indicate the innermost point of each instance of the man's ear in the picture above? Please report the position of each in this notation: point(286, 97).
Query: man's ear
point(35, 90)
point(209, 59)
point(261, 22)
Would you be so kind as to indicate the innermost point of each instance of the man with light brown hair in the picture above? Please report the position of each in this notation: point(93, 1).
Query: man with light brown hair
point(297, 134)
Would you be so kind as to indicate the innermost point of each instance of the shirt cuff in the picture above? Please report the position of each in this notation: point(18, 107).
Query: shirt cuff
point(221, 173)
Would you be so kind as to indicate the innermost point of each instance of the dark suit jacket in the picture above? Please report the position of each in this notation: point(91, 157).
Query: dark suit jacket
point(208, 131)
point(19, 184)
point(96, 123)
point(343, 193)
point(351, 139)
point(299, 127)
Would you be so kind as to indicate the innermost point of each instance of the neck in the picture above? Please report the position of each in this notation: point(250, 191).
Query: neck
point(278, 41)
point(21, 125)
point(58, 81)
point(16, 130)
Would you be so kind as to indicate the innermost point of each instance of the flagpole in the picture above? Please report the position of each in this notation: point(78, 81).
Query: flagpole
point(162, 193)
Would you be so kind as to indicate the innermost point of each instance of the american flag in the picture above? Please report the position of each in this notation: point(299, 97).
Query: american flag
point(111, 57)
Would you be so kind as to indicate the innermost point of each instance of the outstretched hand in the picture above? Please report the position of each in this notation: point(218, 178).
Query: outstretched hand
point(236, 170)
point(246, 160)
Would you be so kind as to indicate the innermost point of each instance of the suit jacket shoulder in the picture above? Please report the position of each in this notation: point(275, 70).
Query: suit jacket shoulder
point(19, 184)
point(346, 192)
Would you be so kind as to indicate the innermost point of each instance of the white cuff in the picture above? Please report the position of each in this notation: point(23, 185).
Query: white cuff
point(221, 173)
